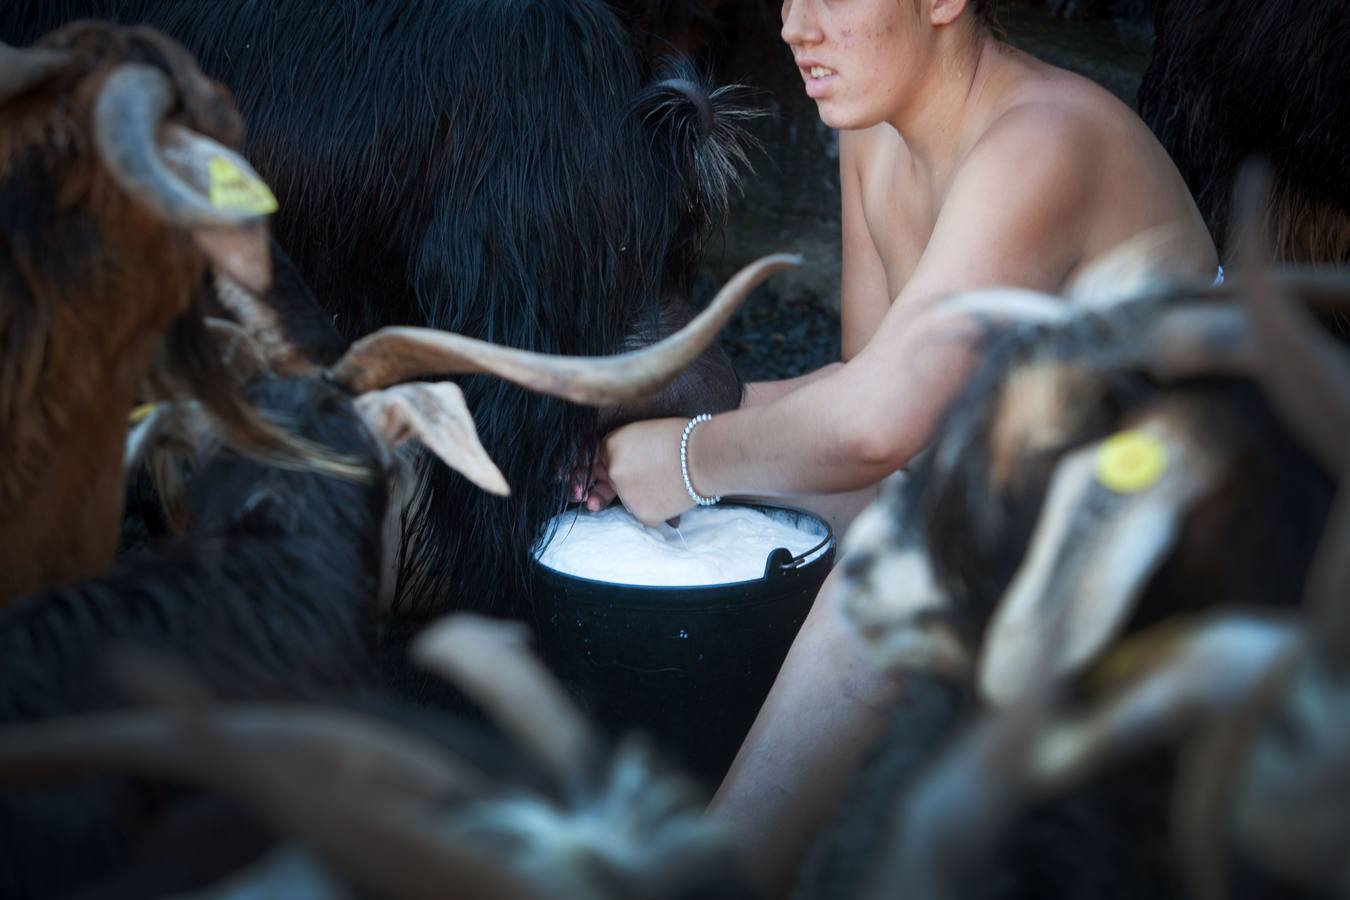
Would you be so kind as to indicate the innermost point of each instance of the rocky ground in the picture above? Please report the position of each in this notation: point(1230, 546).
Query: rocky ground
point(791, 203)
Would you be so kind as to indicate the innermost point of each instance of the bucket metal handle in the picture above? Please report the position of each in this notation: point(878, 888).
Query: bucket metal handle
point(781, 561)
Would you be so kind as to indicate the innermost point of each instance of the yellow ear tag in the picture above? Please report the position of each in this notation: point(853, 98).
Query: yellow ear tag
point(141, 413)
point(234, 190)
point(1131, 461)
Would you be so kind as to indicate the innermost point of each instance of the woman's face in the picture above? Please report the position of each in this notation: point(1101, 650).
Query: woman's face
point(860, 59)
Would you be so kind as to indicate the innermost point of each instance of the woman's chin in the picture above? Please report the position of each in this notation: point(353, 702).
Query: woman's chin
point(837, 118)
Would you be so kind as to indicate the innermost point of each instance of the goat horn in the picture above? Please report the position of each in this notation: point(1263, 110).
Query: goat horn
point(1208, 669)
point(24, 69)
point(1320, 289)
point(1216, 336)
point(391, 355)
point(365, 795)
point(1199, 339)
point(491, 662)
point(127, 117)
point(264, 326)
point(999, 304)
point(1305, 373)
point(160, 742)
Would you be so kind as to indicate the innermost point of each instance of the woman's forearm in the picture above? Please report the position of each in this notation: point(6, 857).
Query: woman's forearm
point(842, 431)
point(849, 428)
point(788, 446)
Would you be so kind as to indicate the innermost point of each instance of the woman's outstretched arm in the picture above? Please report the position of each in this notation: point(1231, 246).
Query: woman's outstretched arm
point(868, 417)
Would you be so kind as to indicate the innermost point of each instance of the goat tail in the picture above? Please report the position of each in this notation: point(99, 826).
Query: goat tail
point(700, 136)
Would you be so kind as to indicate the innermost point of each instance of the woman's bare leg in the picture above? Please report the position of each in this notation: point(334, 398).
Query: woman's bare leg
point(824, 711)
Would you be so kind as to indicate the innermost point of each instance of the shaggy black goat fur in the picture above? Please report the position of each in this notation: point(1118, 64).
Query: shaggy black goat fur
point(1233, 79)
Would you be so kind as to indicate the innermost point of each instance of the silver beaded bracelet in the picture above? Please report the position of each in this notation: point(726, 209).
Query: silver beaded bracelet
point(684, 460)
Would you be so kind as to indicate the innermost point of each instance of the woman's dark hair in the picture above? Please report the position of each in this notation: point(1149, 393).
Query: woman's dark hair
point(984, 11)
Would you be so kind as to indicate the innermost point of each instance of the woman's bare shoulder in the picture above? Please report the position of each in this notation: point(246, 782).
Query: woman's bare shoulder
point(1107, 166)
point(1070, 104)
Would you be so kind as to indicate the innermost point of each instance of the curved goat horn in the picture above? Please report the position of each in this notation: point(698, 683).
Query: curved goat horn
point(1198, 339)
point(1305, 372)
point(22, 69)
point(491, 662)
point(367, 796)
point(127, 117)
point(1212, 337)
point(1013, 305)
point(391, 355)
point(1320, 289)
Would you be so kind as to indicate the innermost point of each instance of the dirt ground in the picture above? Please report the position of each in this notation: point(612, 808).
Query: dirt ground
point(791, 202)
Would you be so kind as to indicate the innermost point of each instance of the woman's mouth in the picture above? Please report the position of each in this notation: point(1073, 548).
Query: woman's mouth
point(818, 79)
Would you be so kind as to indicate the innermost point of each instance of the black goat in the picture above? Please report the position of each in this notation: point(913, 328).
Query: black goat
point(388, 811)
point(1233, 79)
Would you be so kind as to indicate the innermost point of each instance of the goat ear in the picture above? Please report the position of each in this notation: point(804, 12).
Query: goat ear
point(22, 70)
point(1112, 514)
point(436, 415)
point(228, 183)
point(1142, 263)
point(183, 178)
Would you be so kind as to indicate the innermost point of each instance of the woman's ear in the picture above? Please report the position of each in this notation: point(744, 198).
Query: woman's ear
point(945, 12)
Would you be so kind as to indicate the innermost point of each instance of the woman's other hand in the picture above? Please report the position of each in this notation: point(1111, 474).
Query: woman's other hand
point(591, 486)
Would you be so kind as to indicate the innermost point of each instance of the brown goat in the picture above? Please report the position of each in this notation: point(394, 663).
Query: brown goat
point(108, 140)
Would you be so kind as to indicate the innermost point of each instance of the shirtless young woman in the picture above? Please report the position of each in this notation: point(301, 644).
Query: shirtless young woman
point(964, 163)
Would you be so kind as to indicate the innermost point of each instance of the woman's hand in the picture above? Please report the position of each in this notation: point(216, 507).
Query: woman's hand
point(640, 464)
point(591, 486)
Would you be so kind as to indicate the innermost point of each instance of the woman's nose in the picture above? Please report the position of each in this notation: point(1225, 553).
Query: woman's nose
point(799, 23)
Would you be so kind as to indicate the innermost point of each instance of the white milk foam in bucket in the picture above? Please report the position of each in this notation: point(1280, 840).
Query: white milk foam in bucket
point(712, 545)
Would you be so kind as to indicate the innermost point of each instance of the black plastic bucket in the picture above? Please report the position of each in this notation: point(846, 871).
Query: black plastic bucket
point(688, 665)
